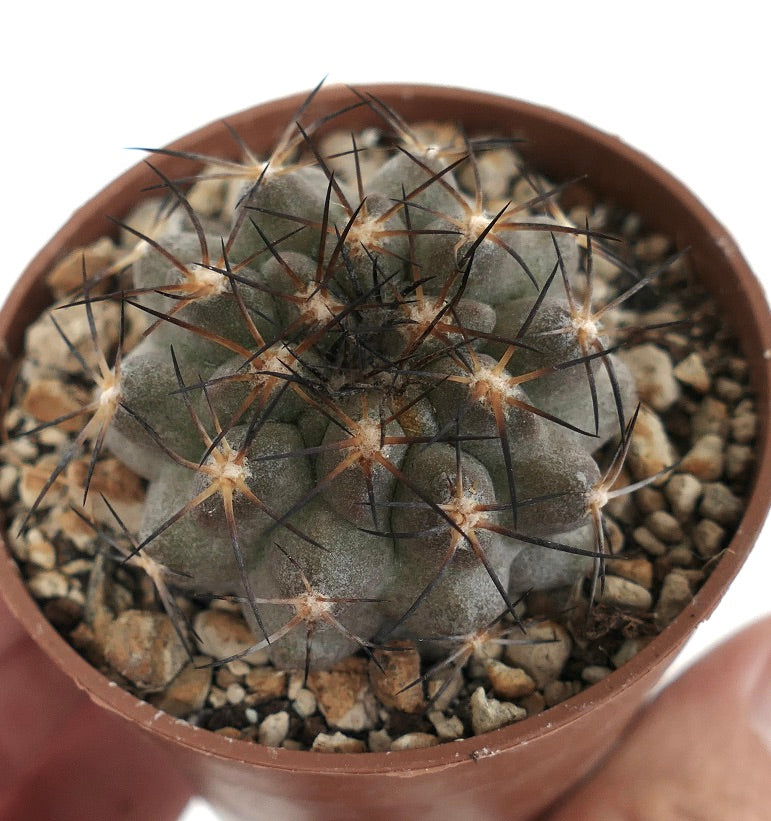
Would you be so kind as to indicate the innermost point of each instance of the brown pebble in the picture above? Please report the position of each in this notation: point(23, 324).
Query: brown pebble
point(508, 682)
point(720, 504)
point(188, 692)
point(648, 542)
point(265, 684)
point(34, 478)
point(664, 526)
point(625, 594)
point(379, 741)
point(738, 460)
point(344, 695)
point(674, 596)
point(391, 672)
point(691, 371)
point(711, 417)
point(708, 538)
point(337, 743)
point(221, 634)
point(705, 459)
point(556, 692)
point(114, 481)
point(650, 450)
point(67, 275)
point(229, 732)
point(48, 399)
point(545, 654)
point(650, 499)
point(638, 570)
point(728, 389)
point(145, 648)
point(414, 741)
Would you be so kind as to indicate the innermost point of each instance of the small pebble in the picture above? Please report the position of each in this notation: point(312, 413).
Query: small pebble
point(224, 678)
point(650, 499)
point(744, 427)
point(545, 654)
point(654, 374)
point(508, 682)
point(221, 634)
point(648, 542)
point(683, 492)
point(674, 596)
point(441, 693)
point(33, 480)
point(639, 571)
point(67, 275)
point(691, 371)
point(379, 741)
point(628, 650)
point(728, 389)
point(720, 504)
point(217, 698)
point(265, 684)
point(43, 554)
point(534, 703)
point(344, 695)
point(273, 729)
point(337, 743)
point(9, 475)
point(414, 741)
point(304, 703)
point(664, 526)
point(188, 692)
point(650, 450)
point(48, 584)
point(594, 673)
point(681, 555)
point(490, 714)
point(235, 693)
point(251, 715)
point(144, 648)
point(447, 728)
point(738, 460)
point(238, 668)
point(397, 667)
point(49, 399)
point(711, 417)
point(627, 595)
point(556, 692)
point(705, 459)
point(229, 732)
point(708, 538)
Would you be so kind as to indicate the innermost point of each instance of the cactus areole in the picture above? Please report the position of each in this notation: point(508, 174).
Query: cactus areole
point(375, 395)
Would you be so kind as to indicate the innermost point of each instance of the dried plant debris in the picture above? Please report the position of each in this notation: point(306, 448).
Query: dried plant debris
point(377, 442)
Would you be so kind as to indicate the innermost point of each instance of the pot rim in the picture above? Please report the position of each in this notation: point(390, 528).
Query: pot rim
point(654, 656)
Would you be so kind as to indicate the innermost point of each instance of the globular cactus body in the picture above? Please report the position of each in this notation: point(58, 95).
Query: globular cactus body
point(366, 406)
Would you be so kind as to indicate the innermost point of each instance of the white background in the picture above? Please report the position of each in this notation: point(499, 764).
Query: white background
point(684, 82)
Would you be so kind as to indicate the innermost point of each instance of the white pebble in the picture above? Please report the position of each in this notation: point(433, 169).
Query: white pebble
point(273, 729)
point(235, 693)
point(304, 703)
point(49, 584)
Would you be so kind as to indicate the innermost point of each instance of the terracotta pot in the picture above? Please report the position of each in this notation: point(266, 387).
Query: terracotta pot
point(519, 770)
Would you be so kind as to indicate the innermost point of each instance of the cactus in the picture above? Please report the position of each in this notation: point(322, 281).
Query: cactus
point(370, 397)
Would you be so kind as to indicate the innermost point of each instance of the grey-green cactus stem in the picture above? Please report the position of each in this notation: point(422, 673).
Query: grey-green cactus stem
point(365, 405)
